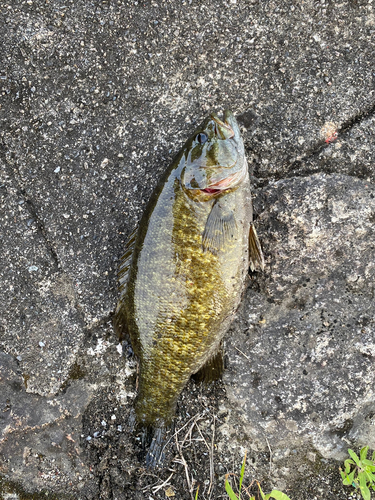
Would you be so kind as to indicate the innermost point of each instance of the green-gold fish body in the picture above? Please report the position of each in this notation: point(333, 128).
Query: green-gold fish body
point(184, 269)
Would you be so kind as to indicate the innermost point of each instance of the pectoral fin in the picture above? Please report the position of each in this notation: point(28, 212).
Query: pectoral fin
point(212, 370)
point(221, 228)
point(120, 320)
point(255, 250)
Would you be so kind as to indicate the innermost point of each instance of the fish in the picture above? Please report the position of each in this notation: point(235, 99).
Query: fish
point(184, 270)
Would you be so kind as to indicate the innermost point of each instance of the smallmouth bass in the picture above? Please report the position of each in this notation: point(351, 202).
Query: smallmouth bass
point(184, 270)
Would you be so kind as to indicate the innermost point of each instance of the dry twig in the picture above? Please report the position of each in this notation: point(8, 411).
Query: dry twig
point(269, 447)
point(183, 462)
point(166, 483)
point(243, 354)
point(211, 454)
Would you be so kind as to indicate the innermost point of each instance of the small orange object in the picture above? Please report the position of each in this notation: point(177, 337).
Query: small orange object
point(329, 132)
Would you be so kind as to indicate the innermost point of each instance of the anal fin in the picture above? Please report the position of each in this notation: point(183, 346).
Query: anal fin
point(255, 250)
point(212, 370)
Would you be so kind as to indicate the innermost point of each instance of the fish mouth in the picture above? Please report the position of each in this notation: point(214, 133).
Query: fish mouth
point(225, 184)
point(223, 129)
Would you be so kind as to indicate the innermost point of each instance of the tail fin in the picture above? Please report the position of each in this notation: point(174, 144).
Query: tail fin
point(155, 439)
point(155, 455)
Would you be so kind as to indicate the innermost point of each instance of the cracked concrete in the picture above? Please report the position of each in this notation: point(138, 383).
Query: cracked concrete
point(95, 101)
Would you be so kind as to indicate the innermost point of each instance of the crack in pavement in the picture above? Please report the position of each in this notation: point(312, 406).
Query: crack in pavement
point(358, 118)
point(313, 152)
point(14, 174)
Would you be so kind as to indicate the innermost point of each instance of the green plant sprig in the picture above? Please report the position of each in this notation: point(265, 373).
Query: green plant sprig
point(277, 495)
point(359, 472)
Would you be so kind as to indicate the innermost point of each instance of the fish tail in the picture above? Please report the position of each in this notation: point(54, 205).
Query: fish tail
point(155, 455)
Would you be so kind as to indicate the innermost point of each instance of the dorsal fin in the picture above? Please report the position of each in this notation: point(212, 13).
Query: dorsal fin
point(120, 320)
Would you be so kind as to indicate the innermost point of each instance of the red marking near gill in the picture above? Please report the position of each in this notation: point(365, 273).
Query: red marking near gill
point(211, 191)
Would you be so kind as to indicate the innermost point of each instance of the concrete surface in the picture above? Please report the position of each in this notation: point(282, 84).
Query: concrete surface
point(96, 98)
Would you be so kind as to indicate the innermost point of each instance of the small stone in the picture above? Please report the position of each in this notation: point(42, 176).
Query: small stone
point(169, 492)
point(311, 456)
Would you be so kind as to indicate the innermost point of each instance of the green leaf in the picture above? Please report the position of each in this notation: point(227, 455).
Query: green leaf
point(229, 490)
point(363, 453)
point(351, 475)
point(347, 464)
point(349, 478)
point(354, 456)
point(369, 463)
point(278, 495)
point(365, 492)
point(261, 492)
point(370, 478)
point(242, 474)
point(362, 478)
point(196, 494)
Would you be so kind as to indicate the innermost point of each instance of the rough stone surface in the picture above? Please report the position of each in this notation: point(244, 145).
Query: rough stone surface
point(308, 344)
point(39, 438)
point(95, 99)
point(40, 325)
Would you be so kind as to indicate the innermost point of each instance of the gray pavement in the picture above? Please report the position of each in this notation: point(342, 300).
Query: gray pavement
point(96, 98)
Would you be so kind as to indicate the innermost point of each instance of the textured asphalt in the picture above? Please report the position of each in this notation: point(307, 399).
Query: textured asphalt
point(95, 100)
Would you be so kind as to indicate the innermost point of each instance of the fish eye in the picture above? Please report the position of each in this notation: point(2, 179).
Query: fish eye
point(202, 138)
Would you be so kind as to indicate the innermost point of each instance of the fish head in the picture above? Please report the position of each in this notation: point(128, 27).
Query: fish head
point(214, 158)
